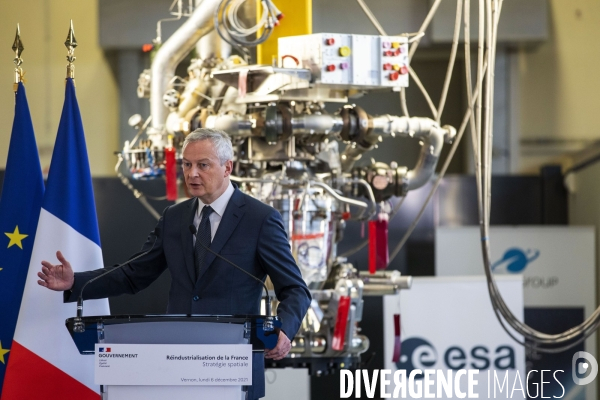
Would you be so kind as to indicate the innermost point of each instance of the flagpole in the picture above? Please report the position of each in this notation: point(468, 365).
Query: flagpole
point(70, 44)
point(18, 48)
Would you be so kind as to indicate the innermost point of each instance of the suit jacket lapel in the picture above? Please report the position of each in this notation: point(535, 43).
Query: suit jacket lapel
point(187, 219)
point(231, 217)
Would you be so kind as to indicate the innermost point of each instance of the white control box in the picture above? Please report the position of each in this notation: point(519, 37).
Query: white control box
point(343, 60)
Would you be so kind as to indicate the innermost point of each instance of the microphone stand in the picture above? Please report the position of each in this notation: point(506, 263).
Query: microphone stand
point(78, 325)
point(268, 324)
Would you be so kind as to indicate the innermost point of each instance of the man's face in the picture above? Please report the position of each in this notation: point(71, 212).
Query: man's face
point(204, 175)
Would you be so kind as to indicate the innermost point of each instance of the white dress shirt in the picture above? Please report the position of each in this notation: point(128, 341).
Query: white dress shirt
point(218, 207)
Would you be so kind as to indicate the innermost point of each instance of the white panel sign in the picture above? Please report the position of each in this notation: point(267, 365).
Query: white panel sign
point(173, 364)
point(557, 263)
point(448, 327)
point(558, 266)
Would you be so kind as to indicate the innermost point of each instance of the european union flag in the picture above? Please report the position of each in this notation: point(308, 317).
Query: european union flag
point(20, 206)
point(44, 362)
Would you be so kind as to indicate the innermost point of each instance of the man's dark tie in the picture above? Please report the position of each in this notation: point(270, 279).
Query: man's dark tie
point(202, 237)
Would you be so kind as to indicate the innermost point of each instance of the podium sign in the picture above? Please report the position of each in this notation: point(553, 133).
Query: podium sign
point(182, 357)
point(173, 364)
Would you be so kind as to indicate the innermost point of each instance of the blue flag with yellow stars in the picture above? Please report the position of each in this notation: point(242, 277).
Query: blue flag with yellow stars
point(20, 205)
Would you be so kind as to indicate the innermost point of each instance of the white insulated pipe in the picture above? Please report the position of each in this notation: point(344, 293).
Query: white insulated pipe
point(171, 53)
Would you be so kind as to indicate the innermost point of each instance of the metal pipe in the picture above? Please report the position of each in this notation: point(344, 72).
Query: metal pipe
point(379, 289)
point(388, 277)
point(428, 131)
point(428, 158)
point(351, 154)
point(211, 46)
point(343, 199)
point(234, 125)
point(359, 344)
point(318, 345)
point(316, 123)
point(171, 53)
point(192, 95)
point(298, 345)
point(371, 197)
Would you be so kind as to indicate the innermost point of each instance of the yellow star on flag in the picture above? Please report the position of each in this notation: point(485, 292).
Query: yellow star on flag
point(2, 353)
point(15, 238)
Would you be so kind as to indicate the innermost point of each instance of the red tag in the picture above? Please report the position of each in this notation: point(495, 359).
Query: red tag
point(339, 332)
point(397, 341)
point(171, 173)
point(378, 243)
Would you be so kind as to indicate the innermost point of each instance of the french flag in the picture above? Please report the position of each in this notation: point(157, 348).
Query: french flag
point(44, 362)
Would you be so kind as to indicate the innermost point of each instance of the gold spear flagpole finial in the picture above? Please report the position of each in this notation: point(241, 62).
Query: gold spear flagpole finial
point(70, 44)
point(18, 48)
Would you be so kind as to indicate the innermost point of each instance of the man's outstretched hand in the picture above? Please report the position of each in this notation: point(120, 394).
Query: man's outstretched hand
point(281, 349)
point(57, 277)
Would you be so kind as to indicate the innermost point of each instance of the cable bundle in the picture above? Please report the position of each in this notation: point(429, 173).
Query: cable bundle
point(233, 31)
point(479, 117)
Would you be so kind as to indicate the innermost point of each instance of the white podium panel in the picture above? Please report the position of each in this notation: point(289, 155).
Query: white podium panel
point(173, 364)
point(173, 392)
point(176, 333)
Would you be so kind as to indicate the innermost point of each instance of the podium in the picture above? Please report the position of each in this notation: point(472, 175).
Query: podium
point(214, 330)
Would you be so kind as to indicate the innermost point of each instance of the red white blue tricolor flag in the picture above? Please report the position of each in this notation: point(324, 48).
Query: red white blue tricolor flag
point(44, 360)
point(20, 204)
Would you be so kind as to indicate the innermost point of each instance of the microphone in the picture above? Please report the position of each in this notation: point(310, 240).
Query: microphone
point(268, 325)
point(78, 325)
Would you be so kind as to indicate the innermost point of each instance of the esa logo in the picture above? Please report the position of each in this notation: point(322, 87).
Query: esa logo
point(418, 353)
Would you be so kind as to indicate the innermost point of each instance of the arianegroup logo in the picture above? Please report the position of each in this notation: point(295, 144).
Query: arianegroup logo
point(104, 349)
point(515, 260)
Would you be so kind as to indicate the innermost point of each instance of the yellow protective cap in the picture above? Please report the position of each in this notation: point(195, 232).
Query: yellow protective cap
point(345, 51)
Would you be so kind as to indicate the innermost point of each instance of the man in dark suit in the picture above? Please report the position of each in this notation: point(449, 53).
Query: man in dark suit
point(240, 228)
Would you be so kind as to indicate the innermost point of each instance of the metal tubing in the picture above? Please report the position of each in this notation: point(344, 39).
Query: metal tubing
point(351, 154)
point(171, 53)
point(234, 125)
point(428, 131)
point(338, 197)
point(211, 46)
point(316, 124)
point(318, 345)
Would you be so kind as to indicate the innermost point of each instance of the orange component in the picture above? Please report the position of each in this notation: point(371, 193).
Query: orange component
point(307, 236)
point(146, 48)
point(290, 56)
point(394, 76)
